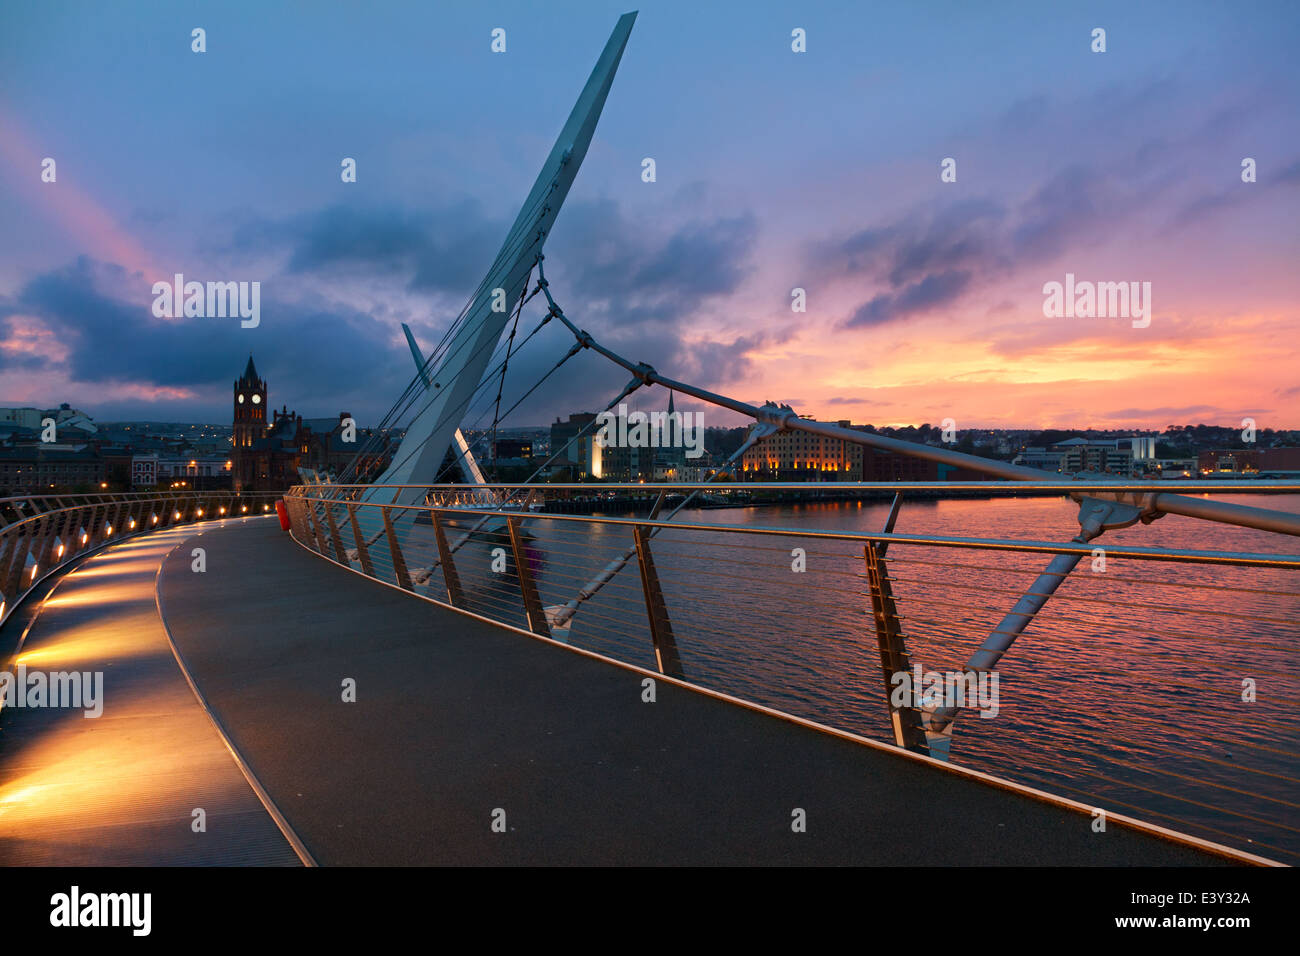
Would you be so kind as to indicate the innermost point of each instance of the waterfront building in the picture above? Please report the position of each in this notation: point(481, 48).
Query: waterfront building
point(1249, 461)
point(32, 469)
point(1074, 455)
point(799, 456)
point(562, 433)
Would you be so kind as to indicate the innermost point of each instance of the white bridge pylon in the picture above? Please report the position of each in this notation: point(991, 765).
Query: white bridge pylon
point(451, 386)
point(469, 468)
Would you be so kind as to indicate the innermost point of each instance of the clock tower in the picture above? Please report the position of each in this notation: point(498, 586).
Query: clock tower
point(249, 427)
point(250, 408)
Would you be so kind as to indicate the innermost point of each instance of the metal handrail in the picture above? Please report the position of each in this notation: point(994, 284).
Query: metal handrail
point(1198, 556)
point(29, 553)
point(1063, 485)
point(112, 494)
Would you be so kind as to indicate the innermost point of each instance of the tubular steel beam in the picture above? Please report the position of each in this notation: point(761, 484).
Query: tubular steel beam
point(1011, 627)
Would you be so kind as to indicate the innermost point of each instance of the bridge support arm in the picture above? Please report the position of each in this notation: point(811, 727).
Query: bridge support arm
point(1096, 515)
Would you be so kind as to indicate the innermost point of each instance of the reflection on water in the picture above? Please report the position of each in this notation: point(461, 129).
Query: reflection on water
point(1125, 691)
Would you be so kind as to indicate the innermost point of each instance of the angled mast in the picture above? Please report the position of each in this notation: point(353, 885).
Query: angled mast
point(451, 386)
point(468, 463)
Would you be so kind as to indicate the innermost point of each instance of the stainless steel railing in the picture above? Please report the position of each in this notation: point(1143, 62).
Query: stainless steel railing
point(1159, 680)
point(39, 534)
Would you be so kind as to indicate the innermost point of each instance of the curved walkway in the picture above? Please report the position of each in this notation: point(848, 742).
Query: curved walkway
point(458, 723)
point(122, 788)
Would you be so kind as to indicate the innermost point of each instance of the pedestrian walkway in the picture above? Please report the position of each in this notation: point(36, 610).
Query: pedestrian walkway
point(123, 788)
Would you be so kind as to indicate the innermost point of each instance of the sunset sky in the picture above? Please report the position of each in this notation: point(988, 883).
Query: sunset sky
point(775, 170)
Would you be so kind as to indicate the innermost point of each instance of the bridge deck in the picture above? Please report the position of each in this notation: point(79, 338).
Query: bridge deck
point(456, 718)
point(122, 788)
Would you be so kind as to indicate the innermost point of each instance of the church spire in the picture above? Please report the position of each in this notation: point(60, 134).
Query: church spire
point(250, 371)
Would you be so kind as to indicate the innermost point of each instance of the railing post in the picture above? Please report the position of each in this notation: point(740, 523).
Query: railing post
point(363, 553)
point(528, 588)
point(136, 513)
point(42, 542)
point(395, 550)
point(314, 523)
point(906, 720)
point(449, 574)
point(67, 532)
point(11, 576)
point(127, 516)
point(297, 519)
point(52, 528)
point(113, 523)
point(661, 627)
point(8, 548)
point(86, 519)
point(335, 540)
point(63, 520)
point(302, 524)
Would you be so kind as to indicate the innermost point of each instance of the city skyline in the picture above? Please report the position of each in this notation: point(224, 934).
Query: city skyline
point(775, 170)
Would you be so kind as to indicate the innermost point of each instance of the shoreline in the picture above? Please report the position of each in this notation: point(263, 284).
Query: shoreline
point(645, 502)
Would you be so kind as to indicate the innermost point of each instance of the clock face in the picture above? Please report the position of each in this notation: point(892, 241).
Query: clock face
point(257, 399)
point(241, 399)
